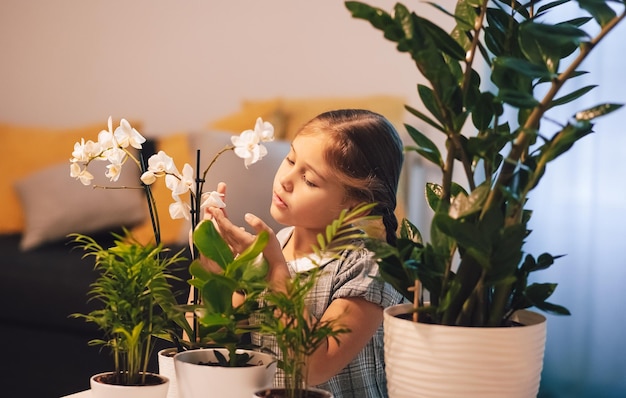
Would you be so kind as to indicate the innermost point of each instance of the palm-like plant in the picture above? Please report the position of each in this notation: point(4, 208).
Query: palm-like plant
point(137, 301)
point(298, 334)
point(474, 266)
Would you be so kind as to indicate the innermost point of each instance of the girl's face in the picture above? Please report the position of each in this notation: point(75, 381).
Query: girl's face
point(305, 194)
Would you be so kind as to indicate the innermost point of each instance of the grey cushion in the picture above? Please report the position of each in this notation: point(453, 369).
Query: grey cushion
point(56, 204)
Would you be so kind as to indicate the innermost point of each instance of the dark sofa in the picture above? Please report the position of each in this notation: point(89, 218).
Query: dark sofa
point(45, 351)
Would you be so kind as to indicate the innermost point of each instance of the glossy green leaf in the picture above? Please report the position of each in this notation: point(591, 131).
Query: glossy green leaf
point(597, 111)
point(571, 96)
point(517, 98)
point(425, 146)
point(425, 118)
point(211, 244)
point(600, 11)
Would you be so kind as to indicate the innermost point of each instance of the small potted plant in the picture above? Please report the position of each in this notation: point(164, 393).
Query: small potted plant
point(136, 304)
point(224, 364)
point(286, 317)
point(499, 135)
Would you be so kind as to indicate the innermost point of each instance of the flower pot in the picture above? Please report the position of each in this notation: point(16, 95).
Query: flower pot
point(196, 380)
point(424, 360)
point(277, 392)
point(101, 389)
point(166, 368)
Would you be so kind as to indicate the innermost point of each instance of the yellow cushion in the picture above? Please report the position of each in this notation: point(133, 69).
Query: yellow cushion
point(269, 110)
point(289, 114)
point(300, 111)
point(26, 149)
point(175, 145)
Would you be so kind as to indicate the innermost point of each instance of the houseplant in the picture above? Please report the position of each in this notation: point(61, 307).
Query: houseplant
point(137, 302)
point(223, 366)
point(286, 319)
point(116, 147)
point(473, 267)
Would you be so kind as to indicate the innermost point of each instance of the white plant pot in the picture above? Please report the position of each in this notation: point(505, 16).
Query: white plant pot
point(166, 368)
point(196, 381)
point(103, 390)
point(277, 392)
point(431, 361)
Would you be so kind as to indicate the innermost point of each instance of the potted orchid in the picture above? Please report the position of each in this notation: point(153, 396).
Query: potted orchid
point(491, 84)
point(117, 147)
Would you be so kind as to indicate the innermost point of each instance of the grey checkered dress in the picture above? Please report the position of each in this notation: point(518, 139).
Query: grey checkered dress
point(351, 276)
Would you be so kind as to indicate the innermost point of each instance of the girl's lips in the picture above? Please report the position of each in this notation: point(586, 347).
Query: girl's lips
point(278, 201)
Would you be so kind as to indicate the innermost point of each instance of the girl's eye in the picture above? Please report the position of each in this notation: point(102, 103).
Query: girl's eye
point(307, 182)
point(291, 162)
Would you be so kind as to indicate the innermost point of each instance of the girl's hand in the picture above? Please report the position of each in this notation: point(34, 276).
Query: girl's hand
point(239, 239)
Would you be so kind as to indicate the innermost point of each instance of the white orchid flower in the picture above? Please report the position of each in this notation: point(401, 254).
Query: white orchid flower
point(81, 174)
point(126, 135)
point(179, 209)
point(113, 171)
point(265, 130)
point(105, 137)
point(248, 147)
point(85, 151)
point(148, 178)
point(181, 183)
point(161, 164)
point(212, 199)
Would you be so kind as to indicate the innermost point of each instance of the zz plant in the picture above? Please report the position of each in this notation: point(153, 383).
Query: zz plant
point(498, 133)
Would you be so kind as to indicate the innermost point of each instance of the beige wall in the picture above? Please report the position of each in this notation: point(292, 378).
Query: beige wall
point(177, 65)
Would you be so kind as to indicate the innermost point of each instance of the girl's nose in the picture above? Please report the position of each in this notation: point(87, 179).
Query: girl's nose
point(286, 181)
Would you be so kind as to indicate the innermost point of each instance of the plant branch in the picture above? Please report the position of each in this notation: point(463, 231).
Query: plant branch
point(523, 140)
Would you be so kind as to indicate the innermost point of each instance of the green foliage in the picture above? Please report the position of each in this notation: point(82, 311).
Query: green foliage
point(220, 322)
point(298, 333)
point(136, 297)
point(474, 266)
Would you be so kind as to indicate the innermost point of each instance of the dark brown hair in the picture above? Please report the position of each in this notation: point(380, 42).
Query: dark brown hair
point(365, 153)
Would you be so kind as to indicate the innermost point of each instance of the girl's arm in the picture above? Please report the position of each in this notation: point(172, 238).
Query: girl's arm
point(357, 314)
point(362, 317)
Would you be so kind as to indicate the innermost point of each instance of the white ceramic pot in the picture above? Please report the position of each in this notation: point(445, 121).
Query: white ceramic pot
point(166, 368)
point(425, 360)
point(196, 381)
point(103, 390)
point(311, 392)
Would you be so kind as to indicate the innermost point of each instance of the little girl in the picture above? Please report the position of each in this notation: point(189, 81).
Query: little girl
point(337, 160)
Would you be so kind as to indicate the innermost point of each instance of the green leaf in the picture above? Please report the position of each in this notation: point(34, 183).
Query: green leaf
point(211, 244)
point(571, 96)
point(565, 139)
point(597, 111)
point(523, 67)
point(517, 98)
point(429, 100)
point(425, 118)
point(600, 11)
point(425, 146)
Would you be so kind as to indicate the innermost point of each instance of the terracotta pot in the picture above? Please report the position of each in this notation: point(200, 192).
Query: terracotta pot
point(100, 389)
point(424, 360)
point(199, 381)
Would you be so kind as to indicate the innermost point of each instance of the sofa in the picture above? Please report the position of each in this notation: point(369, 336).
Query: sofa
point(43, 279)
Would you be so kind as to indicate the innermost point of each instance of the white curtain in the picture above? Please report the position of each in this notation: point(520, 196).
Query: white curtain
point(580, 210)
